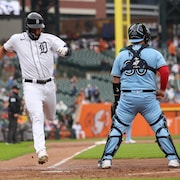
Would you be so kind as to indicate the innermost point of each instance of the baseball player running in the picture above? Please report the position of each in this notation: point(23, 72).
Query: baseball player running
point(134, 78)
point(35, 51)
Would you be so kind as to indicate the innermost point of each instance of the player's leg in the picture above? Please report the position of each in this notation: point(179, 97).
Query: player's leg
point(49, 107)
point(165, 141)
point(15, 134)
point(33, 95)
point(122, 119)
point(113, 142)
point(10, 130)
point(157, 121)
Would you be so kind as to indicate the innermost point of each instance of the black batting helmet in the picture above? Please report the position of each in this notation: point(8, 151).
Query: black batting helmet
point(34, 20)
point(139, 32)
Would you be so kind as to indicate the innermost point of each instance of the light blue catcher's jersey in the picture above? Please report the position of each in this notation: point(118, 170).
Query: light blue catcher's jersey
point(138, 79)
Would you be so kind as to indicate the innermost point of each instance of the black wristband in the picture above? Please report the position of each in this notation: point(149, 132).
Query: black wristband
point(117, 91)
point(117, 88)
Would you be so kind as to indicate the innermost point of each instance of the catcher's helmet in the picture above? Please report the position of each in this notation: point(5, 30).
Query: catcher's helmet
point(139, 32)
point(34, 21)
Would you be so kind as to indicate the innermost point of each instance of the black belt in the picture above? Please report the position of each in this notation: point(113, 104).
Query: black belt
point(38, 81)
point(145, 90)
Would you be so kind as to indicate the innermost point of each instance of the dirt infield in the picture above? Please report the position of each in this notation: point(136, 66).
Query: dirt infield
point(62, 166)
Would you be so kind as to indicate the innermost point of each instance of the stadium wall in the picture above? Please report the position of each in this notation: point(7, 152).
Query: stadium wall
point(96, 120)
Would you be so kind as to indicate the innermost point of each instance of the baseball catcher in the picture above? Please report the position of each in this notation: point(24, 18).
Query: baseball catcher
point(134, 78)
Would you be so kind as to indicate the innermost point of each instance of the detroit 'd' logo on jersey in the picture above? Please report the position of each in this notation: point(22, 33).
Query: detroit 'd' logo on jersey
point(43, 47)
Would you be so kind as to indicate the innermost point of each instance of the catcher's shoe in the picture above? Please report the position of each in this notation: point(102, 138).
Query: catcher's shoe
point(42, 157)
point(174, 163)
point(105, 164)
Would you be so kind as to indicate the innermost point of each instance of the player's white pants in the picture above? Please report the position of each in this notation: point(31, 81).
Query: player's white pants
point(40, 102)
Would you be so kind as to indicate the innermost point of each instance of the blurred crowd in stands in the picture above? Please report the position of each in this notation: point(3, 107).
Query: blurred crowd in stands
point(62, 126)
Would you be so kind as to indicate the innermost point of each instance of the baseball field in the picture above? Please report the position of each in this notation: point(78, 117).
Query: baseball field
point(77, 159)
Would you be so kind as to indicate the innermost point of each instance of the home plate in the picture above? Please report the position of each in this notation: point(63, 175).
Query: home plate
point(100, 142)
point(55, 171)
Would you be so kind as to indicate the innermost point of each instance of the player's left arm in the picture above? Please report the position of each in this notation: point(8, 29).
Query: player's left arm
point(164, 76)
point(117, 92)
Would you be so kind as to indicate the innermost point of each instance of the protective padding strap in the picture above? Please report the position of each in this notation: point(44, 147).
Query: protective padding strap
point(160, 117)
point(163, 137)
point(167, 146)
point(113, 143)
point(136, 54)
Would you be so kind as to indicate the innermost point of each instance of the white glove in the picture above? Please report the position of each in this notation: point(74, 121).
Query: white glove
point(62, 51)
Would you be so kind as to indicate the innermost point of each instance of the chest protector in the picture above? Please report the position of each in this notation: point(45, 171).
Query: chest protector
point(137, 63)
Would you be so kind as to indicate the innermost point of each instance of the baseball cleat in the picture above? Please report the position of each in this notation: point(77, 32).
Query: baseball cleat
point(42, 157)
point(104, 164)
point(174, 163)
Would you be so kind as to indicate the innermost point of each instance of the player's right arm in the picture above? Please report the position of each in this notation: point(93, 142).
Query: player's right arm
point(164, 75)
point(2, 52)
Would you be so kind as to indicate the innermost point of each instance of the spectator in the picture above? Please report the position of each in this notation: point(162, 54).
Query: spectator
point(73, 86)
point(88, 92)
point(97, 95)
point(102, 45)
point(172, 53)
point(10, 82)
point(80, 97)
point(64, 132)
point(61, 107)
point(78, 131)
point(14, 111)
point(169, 94)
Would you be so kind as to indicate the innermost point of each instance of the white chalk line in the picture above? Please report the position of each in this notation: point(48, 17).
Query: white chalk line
point(55, 171)
point(69, 158)
point(90, 147)
point(153, 173)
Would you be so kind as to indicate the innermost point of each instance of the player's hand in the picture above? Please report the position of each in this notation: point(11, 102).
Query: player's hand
point(160, 94)
point(62, 51)
point(113, 108)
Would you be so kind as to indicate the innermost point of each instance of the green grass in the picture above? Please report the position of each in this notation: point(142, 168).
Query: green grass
point(11, 151)
point(145, 150)
point(138, 150)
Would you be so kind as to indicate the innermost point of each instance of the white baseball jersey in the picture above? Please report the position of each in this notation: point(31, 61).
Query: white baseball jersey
point(35, 57)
